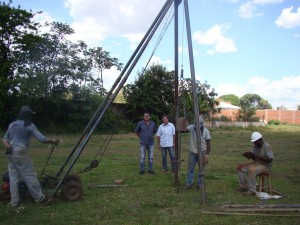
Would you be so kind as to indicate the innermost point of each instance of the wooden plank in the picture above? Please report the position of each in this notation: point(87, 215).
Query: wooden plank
point(250, 214)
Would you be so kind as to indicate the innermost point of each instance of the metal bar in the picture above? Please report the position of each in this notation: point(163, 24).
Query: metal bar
point(52, 149)
point(195, 100)
point(176, 3)
point(264, 206)
point(250, 214)
point(262, 210)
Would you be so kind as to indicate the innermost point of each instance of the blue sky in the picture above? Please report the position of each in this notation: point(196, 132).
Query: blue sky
point(240, 46)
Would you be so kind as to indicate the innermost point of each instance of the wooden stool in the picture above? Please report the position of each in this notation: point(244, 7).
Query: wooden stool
point(262, 177)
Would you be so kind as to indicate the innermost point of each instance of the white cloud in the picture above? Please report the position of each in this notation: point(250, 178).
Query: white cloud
point(265, 2)
point(94, 20)
point(110, 76)
point(247, 10)
point(284, 92)
point(288, 19)
point(215, 36)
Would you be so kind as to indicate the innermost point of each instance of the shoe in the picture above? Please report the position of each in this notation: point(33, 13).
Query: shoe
point(16, 208)
point(164, 171)
point(46, 200)
point(199, 186)
point(249, 193)
point(242, 189)
point(188, 186)
point(142, 172)
point(151, 172)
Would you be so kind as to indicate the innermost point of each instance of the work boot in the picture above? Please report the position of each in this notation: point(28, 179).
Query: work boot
point(45, 200)
point(151, 172)
point(249, 193)
point(188, 186)
point(242, 189)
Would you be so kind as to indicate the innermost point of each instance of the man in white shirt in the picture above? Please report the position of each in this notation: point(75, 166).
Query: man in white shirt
point(166, 142)
point(193, 153)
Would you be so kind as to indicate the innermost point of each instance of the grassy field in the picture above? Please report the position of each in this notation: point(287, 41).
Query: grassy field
point(152, 199)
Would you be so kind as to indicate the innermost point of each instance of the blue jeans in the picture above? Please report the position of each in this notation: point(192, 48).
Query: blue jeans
point(164, 151)
point(193, 161)
point(150, 150)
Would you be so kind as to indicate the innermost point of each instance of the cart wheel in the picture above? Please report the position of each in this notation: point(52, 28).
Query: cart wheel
point(72, 190)
point(72, 177)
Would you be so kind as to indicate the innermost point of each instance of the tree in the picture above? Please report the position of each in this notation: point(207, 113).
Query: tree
point(15, 29)
point(298, 107)
point(256, 101)
point(249, 103)
point(45, 69)
point(246, 112)
point(206, 99)
point(233, 99)
point(152, 91)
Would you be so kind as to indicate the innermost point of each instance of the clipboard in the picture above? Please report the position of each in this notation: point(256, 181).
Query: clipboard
point(248, 155)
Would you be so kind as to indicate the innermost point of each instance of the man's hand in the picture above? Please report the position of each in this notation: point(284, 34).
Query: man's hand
point(205, 158)
point(54, 141)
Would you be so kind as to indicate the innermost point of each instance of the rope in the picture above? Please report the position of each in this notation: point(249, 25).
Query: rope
point(166, 25)
point(95, 162)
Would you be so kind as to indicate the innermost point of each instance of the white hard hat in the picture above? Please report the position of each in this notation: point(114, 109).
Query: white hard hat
point(255, 136)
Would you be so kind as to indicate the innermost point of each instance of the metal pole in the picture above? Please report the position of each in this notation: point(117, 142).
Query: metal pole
point(195, 100)
point(176, 4)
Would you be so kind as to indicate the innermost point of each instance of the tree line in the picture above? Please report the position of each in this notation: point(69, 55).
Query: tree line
point(58, 78)
point(62, 80)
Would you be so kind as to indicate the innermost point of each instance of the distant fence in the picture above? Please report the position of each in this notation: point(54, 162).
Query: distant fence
point(234, 124)
point(266, 115)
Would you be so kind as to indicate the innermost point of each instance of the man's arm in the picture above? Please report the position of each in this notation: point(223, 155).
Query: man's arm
point(6, 144)
point(208, 144)
point(263, 158)
point(158, 142)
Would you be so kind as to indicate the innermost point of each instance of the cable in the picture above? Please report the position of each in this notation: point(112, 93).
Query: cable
point(164, 29)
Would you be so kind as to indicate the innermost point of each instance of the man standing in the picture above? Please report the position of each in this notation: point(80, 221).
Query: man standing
point(262, 157)
point(166, 142)
point(16, 141)
point(193, 153)
point(145, 130)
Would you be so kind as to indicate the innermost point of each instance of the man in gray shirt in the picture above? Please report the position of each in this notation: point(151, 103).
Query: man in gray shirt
point(20, 168)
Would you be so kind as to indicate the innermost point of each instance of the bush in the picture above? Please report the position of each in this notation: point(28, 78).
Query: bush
point(221, 118)
point(274, 122)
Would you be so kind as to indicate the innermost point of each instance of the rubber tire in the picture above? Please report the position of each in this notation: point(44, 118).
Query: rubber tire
point(72, 177)
point(72, 190)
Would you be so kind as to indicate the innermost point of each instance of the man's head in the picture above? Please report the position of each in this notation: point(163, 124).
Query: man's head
point(165, 119)
point(256, 139)
point(26, 114)
point(26, 109)
point(146, 116)
point(201, 121)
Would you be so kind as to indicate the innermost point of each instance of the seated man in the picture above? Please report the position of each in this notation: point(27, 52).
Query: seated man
point(262, 157)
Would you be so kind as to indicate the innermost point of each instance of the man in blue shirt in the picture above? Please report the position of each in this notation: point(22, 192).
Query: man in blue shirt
point(166, 142)
point(145, 130)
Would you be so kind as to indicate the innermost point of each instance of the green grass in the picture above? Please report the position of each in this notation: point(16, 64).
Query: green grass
point(152, 199)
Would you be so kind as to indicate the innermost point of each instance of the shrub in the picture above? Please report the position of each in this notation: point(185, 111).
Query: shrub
point(221, 118)
point(274, 122)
